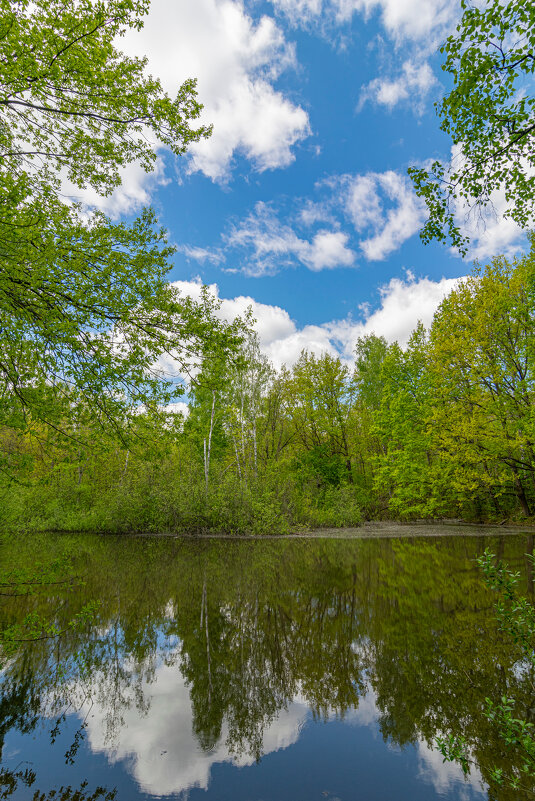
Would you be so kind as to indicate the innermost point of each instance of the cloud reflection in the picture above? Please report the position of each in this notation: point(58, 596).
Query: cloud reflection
point(160, 749)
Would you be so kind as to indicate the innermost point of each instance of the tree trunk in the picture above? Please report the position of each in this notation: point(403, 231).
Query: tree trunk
point(208, 447)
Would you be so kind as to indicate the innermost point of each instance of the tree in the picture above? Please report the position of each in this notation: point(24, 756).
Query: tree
point(490, 116)
point(408, 472)
point(370, 354)
point(481, 360)
point(72, 101)
point(87, 318)
point(319, 406)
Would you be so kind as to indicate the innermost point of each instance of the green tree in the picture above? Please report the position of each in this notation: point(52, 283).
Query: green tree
point(409, 473)
point(482, 372)
point(320, 401)
point(370, 353)
point(490, 116)
point(86, 313)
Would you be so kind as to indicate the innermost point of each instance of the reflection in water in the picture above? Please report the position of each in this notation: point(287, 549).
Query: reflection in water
point(222, 653)
point(446, 776)
point(161, 749)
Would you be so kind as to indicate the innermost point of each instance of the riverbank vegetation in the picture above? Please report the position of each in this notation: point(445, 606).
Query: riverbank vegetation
point(98, 346)
point(443, 428)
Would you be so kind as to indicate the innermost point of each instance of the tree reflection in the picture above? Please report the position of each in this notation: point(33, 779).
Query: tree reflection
point(250, 626)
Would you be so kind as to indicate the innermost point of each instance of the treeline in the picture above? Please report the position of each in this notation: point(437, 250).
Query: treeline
point(443, 428)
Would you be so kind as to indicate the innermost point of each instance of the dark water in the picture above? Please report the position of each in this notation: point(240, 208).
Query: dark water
point(309, 670)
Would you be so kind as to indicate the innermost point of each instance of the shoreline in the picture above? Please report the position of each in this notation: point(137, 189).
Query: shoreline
point(369, 530)
point(375, 529)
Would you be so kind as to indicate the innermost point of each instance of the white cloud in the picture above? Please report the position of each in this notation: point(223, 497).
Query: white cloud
point(448, 777)
point(365, 197)
point(491, 233)
point(313, 213)
point(300, 12)
point(382, 208)
point(410, 19)
point(201, 254)
point(328, 249)
point(402, 304)
point(272, 245)
point(413, 84)
point(159, 748)
point(179, 407)
point(423, 24)
point(236, 62)
point(133, 193)
point(280, 339)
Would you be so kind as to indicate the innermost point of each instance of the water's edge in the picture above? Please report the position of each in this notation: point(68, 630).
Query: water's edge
point(369, 530)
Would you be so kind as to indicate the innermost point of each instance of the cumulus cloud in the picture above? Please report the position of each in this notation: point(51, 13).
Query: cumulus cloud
point(280, 339)
point(271, 244)
point(402, 304)
point(159, 748)
point(490, 232)
point(236, 63)
point(385, 206)
point(382, 208)
point(422, 24)
point(328, 249)
point(178, 407)
point(413, 84)
point(407, 19)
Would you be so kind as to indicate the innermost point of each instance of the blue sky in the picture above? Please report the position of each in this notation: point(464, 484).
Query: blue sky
point(300, 204)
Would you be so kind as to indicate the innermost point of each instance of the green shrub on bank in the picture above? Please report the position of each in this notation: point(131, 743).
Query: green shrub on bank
point(170, 496)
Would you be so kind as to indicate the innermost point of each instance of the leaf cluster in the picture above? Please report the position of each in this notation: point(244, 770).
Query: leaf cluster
point(489, 114)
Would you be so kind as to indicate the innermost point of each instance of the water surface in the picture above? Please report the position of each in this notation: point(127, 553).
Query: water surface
point(287, 670)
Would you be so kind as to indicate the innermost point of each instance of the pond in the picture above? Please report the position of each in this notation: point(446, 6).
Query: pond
point(273, 670)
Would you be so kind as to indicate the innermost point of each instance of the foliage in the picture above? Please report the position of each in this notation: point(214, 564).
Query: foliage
point(87, 317)
point(516, 616)
point(441, 429)
point(482, 365)
point(490, 116)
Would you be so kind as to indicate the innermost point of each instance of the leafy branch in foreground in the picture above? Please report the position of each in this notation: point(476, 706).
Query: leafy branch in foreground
point(87, 316)
point(34, 626)
point(516, 617)
point(71, 101)
point(490, 116)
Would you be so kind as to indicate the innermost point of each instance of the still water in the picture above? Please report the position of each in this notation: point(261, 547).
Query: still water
point(282, 670)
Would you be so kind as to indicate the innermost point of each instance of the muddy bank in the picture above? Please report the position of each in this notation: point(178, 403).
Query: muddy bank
point(389, 528)
point(371, 530)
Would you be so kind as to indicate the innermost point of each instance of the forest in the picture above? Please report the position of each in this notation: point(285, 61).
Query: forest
point(101, 352)
point(444, 428)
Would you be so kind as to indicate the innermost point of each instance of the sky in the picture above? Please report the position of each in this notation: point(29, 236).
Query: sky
point(299, 204)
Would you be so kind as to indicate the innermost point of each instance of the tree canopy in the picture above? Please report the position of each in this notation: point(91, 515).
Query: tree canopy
point(90, 327)
point(489, 113)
